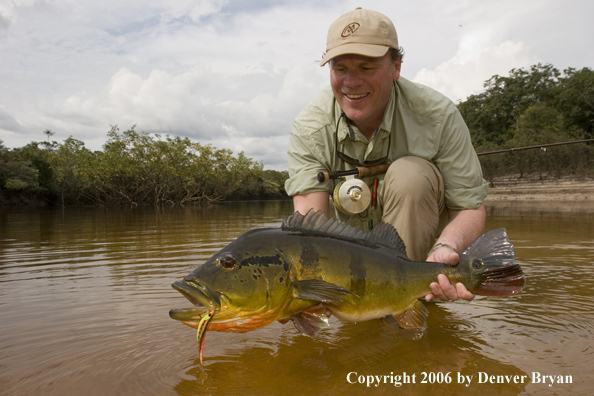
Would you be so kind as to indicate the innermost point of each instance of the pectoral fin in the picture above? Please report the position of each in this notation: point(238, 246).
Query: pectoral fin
point(311, 321)
point(319, 290)
point(414, 317)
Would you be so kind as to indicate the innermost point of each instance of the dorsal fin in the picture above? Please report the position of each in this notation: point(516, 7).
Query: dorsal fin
point(386, 234)
point(317, 223)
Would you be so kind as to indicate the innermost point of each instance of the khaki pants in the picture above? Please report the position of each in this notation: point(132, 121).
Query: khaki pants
point(412, 197)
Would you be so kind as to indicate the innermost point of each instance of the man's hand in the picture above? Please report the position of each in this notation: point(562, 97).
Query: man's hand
point(464, 227)
point(443, 289)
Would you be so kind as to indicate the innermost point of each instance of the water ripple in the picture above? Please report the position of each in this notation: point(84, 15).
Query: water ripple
point(85, 295)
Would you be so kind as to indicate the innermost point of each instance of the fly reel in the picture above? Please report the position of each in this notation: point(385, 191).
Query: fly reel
point(352, 196)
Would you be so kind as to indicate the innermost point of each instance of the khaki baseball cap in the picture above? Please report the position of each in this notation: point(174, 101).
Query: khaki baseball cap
point(361, 32)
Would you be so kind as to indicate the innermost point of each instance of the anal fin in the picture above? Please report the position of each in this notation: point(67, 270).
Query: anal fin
point(311, 321)
point(414, 317)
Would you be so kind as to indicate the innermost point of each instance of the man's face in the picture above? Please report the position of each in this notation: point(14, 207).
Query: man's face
point(362, 87)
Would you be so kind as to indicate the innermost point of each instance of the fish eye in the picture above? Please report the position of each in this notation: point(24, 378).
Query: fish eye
point(227, 262)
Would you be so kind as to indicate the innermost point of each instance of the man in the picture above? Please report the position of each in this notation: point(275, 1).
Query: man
point(433, 187)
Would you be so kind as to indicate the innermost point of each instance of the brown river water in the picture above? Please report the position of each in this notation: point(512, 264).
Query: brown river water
point(85, 296)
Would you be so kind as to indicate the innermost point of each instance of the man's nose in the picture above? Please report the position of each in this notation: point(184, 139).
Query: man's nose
point(352, 78)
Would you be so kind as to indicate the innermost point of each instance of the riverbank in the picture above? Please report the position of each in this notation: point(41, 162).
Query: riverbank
point(534, 189)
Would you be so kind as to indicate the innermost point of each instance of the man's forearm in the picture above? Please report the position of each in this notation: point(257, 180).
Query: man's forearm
point(464, 227)
point(318, 201)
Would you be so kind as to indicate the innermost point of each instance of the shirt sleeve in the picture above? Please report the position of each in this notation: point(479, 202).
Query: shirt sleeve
point(465, 187)
point(304, 156)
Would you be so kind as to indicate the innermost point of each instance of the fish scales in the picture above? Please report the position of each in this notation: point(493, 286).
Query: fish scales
point(393, 283)
point(358, 272)
point(309, 260)
point(302, 271)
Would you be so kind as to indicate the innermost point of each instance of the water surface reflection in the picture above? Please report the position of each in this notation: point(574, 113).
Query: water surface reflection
point(85, 295)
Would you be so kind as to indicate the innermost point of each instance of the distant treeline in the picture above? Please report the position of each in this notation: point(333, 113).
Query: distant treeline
point(529, 107)
point(133, 169)
point(533, 107)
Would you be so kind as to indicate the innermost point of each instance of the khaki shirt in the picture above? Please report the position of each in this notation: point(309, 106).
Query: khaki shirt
point(422, 122)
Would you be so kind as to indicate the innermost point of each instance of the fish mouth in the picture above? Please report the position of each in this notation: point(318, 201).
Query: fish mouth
point(204, 299)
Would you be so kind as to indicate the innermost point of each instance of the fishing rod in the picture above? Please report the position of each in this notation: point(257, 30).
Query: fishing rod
point(352, 195)
point(360, 171)
point(535, 147)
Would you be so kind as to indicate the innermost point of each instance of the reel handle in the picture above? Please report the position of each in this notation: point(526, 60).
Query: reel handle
point(325, 176)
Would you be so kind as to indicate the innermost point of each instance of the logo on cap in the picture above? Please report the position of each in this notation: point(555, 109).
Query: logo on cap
point(350, 29)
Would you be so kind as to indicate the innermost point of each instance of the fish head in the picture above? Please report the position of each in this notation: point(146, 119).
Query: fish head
point(246, 284)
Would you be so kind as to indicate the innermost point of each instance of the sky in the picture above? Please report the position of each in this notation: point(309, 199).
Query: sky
point(234, 73)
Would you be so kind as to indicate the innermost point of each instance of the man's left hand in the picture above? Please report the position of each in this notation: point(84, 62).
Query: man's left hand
point(443, 289)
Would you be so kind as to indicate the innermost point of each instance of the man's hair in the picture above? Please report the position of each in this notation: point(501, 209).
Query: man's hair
point(396, 53)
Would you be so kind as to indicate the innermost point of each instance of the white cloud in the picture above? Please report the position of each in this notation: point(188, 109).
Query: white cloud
point(10, 10)
point(192, 9)
point(188, 104)
point(464, 74)
point(235, 73)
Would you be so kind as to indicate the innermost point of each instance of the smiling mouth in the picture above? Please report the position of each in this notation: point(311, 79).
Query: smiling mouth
point(356, 96)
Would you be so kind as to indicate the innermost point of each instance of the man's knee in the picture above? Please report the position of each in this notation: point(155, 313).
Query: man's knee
point(412, 177)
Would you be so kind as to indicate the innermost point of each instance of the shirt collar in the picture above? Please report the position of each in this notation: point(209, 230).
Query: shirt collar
point(347, 129)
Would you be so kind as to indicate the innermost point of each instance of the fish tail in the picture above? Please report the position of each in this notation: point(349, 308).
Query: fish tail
point(491, 261)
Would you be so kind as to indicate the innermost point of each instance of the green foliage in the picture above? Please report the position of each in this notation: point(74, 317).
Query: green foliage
point(492, 114)
point(540, 124)
point(38, 158)
point(16, 171)
point(18, 175)
point(267, 184)
point(71, 161)
point(137, 168)
point(532, 107)
point(574, 98)
point(134, 168)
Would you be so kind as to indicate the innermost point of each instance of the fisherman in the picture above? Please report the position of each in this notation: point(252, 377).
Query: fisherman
point(433, 190)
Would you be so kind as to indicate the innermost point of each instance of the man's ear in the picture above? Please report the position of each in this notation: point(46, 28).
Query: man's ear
point(397, 66)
